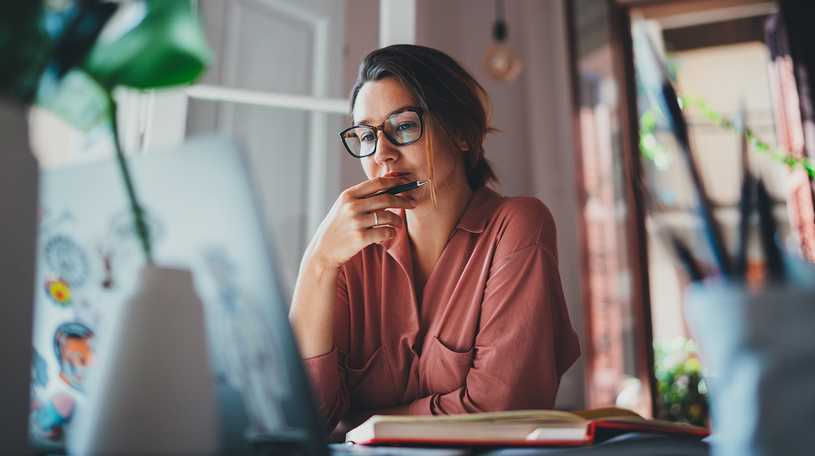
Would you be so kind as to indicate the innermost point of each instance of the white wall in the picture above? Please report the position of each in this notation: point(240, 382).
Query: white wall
point(533, 154)
point(463, 29)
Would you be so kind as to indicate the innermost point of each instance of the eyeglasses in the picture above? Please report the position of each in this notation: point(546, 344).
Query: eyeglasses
point(401, 128)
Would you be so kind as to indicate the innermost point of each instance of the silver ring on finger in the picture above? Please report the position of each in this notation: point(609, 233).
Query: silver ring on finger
point(376, 219)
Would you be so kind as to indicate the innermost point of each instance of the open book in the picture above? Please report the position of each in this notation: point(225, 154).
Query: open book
point(522, 428)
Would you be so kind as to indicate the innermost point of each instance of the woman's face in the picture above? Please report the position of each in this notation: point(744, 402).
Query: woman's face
point(377, 100)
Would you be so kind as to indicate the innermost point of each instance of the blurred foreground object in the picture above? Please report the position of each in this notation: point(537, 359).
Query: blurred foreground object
point(23, 49)
point(33, 40)
point(758, 350)
point(20, 41)
point(150, 44)
point(147, 401)
point(18, 204)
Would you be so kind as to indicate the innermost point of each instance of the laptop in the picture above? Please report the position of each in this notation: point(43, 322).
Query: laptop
point(202, 212)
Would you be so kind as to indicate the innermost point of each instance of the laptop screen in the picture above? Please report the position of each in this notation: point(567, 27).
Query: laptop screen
point(201, 213)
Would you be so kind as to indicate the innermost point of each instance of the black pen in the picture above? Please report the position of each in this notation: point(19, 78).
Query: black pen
point(400, 188)
point(711, 228)
point(745, 209)
point(773, 257)
point(682, 252)
point(746, 200)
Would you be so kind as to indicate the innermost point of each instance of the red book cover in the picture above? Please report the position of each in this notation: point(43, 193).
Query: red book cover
point(521, 428)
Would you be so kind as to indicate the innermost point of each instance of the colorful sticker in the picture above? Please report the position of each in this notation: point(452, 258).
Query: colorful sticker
point(49, 418)
point(67, 260)
point(39, 370)
point(59, 291)
point(74, 351)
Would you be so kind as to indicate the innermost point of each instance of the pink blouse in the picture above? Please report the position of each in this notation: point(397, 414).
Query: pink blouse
point(490, 331)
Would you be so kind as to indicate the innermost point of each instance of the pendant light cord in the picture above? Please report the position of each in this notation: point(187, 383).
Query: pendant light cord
point(499, 29)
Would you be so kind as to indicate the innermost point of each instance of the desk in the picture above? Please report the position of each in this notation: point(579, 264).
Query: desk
point(624, 445)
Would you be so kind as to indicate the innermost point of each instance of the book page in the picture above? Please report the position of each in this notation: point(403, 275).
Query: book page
point(607, 412)
point(510, 416)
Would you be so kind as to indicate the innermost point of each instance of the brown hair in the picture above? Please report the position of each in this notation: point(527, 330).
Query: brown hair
point(448, 94)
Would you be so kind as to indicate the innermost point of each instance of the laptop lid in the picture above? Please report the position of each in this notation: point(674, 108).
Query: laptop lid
point(202, 214)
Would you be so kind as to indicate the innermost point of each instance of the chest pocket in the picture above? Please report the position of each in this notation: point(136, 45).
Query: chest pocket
point(371, 384)
point(444, 369)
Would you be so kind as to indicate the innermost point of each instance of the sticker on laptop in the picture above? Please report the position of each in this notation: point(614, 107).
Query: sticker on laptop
point(66, 259)
point(50, 416)
point(39, 370)
point(73, 348)
point(58, 291)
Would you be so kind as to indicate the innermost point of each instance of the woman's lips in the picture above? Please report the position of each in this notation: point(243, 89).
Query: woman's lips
point(396, 174)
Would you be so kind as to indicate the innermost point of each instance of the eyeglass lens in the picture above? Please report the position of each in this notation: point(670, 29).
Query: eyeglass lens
point(400, 129)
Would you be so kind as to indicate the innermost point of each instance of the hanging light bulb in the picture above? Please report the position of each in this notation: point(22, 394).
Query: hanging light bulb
point(501, 62)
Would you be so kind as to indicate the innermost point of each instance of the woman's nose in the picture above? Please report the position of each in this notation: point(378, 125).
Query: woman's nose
point(385, 151)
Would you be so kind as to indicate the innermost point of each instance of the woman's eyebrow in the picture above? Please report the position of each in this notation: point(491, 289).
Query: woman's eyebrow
point(397, 110)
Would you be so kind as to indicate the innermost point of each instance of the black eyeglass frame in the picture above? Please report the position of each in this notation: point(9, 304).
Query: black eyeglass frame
point(377, 129)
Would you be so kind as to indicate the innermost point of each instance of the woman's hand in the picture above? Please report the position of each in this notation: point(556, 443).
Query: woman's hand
point(357, 220)
point(349, 226)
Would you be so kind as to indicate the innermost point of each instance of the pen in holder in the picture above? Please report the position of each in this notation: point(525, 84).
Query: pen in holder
point(757, 345)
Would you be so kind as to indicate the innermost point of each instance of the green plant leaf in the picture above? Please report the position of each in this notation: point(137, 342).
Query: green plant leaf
point(166, 47)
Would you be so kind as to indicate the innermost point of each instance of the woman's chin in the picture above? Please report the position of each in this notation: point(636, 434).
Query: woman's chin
point(421, 197)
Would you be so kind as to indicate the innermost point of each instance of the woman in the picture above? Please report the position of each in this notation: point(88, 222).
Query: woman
point(445, 299)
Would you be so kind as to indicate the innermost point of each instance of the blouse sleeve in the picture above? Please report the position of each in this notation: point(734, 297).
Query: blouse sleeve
point(327, 371)
point(525, 342)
